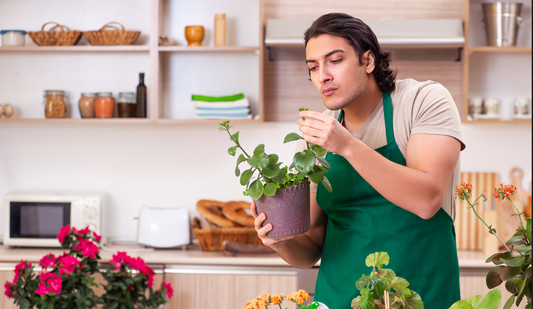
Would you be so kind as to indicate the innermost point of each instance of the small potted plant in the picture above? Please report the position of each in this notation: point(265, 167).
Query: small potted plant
point(67, 281)
point(281, 192)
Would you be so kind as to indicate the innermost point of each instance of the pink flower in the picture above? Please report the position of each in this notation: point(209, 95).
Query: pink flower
point(8, 292)
point(45, 275)
point(80, 234)
point(169, 289)
point(43, 289)
point(54, 284)
point(48, 261)
point(119, 259)
point(63, 232)
point(19, 268)
point(97, 237)
point(68, 264)
point(87, 248)
point(50, 283)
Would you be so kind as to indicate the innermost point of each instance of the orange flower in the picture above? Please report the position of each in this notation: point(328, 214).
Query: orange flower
point(502, 191)
point(277, 299)
point(298, 297)
point(463, 191)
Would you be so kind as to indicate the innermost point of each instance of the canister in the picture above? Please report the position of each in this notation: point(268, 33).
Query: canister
point(55, 105)
point(12, 37)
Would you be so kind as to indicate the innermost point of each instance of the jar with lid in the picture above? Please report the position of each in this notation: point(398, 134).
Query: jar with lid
point(104, 105)
point(86, 105)
point(55, 105)
point(126, 105)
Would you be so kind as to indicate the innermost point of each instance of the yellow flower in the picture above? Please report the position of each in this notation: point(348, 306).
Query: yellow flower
point(298, 297)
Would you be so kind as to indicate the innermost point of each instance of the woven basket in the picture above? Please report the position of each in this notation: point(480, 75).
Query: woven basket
point(64, 37)
point(111, 37)
point(210, 239)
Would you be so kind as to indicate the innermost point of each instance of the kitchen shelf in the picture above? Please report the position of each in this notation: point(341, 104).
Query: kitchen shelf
point(190, 49)
point(204, 121)
point(77, 120)
point(75, 48)
point(496, 49)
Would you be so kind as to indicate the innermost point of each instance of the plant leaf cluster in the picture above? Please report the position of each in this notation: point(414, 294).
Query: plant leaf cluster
point(373, 287)
point(265, 173)
point(490, 301)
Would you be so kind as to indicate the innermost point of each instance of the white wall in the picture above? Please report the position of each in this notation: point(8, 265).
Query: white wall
point(176, 165)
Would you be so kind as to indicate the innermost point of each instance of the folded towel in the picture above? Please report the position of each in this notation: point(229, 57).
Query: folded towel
point(216, 109)
point(223, 116)
point(238, 103)
point(241, 111)
point(196, 97)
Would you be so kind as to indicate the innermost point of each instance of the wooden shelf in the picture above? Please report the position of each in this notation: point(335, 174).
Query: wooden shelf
point(208, 49)
point(496, 49)
point(205, 121)
point(82, 48)
point(77, 120)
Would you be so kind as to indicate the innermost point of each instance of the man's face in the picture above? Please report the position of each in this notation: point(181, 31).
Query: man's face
point(335, 70)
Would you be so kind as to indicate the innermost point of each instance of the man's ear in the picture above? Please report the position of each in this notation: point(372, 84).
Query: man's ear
point(369, 61)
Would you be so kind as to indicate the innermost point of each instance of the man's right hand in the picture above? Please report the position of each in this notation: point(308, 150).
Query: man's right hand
point(263, 230)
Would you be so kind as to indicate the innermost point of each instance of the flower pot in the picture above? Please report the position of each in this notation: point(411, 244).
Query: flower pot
point(288, 211)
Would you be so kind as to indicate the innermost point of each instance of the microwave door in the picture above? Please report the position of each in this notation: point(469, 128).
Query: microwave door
point(39, 221)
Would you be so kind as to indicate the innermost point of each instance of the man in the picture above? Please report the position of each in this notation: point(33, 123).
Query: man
point(393, 147)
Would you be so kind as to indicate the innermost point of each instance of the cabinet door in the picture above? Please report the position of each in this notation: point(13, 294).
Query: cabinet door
point(475, 285)
point(7, 303)
point(227, 289)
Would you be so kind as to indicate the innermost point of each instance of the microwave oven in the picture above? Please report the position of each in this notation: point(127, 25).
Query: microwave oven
point(34, 219)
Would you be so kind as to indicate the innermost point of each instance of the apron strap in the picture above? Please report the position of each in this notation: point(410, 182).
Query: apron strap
point(387, 111)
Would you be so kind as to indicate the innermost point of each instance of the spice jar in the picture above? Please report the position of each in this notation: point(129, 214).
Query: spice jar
point(86, 105)
point(54, 104)
point(104, 105)
point(126, 105)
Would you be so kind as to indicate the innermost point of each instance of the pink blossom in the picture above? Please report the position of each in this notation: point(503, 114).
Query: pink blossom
point(45, 275)
point(119, 259)
point(8, 292)
point(80, 234)
point(97, 237)
point(19, 268)
point(68, 264)
point(63, 232)
point(50, 283)
point(169, 289)
point(87, 248)
point(48, 261)
point(43, 289)
point(54, 284)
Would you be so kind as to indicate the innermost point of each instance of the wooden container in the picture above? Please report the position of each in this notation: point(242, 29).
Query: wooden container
point(52, 37)
point(211, 239)
point(111, 37)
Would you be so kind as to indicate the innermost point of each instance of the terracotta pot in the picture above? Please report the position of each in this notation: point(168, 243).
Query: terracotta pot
point(194, 35)
point(288, 211)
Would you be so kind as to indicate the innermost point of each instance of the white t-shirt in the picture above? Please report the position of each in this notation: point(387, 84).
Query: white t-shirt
point(418, 108)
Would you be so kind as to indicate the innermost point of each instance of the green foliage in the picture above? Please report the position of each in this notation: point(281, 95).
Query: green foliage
point(490, 301)
point(373, 287)
point(265, 174)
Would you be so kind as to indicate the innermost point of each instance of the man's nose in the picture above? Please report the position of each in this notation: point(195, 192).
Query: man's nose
point(325, 75)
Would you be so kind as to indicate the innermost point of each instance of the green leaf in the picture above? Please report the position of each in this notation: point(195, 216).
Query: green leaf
point(272, 170)
point(327, 185)
point(292, 137)
point(260, 161)
point(388, 275)
point(232, 150)
point(516, 261)
point(270, 189)
point(319, 150)
point(260, 149)
point(499, 259)
point(509, 302)
point(281, 176)
point(303, 162)
point(24, 303)
point(377, 259)
point(492, 300)
point(237, 171)
point(256, 190)
point(399, 283)
point(469, 303)
point(246, 176)
point(513, 285)
point(316, 175)
point(493, 278)
point(524, 249)
point(414, 301)
point(516, 241)
point(367, 299)
point(509, 272)
point(324, 162)
point(235, 137)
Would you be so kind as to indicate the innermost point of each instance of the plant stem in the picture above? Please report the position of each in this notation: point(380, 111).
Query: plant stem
point(520, 220)
point(490, 229)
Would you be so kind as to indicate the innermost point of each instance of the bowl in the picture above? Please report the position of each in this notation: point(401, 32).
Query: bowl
point(194, 35)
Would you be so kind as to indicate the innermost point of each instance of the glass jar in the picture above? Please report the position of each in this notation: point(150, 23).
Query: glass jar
point(55, 105)
point(104, 105)
point(126, 105)
point(86, 105)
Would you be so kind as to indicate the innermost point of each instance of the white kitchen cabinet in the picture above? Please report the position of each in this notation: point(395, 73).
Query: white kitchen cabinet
point(173, 73)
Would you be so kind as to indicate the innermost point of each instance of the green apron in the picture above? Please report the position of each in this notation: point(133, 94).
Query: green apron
point(361, 221)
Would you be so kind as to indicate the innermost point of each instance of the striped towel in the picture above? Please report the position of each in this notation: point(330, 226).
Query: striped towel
point(227, 107)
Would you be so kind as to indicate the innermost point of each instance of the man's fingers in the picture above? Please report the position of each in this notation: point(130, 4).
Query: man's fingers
point(253, 209)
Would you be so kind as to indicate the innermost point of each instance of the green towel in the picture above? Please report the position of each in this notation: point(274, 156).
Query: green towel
point(196, 97)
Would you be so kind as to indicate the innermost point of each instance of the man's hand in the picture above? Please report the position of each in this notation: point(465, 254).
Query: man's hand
point(263, 230)
point(326, 131)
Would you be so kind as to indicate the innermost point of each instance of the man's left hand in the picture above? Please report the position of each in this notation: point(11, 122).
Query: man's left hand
point(326, 131)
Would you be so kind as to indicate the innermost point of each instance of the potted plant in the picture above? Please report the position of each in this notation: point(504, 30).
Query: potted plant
point(281, 192)
point(67, 281)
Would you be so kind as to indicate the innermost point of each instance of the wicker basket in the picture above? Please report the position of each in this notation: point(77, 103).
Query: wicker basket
point(111, 37)
point(210, 239)
point(65, 37)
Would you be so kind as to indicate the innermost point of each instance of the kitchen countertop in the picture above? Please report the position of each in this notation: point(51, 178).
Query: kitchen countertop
point(467, 259)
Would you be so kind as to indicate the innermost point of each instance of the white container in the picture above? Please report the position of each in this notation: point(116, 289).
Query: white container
point(13, 37)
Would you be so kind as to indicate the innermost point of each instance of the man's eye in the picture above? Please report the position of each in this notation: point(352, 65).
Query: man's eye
point(312, 69)
point(336, 61)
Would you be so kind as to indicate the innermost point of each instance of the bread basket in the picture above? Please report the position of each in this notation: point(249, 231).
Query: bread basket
point(52, 37)
point(211, 239)
point(114, 36)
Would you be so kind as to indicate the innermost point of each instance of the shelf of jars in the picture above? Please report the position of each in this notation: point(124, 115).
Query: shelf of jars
point(76, 48)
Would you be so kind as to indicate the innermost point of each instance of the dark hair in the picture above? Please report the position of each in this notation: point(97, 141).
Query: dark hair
point(361, 38)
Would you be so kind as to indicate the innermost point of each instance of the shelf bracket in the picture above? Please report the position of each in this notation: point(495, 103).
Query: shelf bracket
point(269, 53)
point(459, 51)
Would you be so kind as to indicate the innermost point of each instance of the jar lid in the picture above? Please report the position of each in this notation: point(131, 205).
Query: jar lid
point(104, 94)
point(88, 94)
point(126, 93)
point(54, 92)
point(13, 30)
